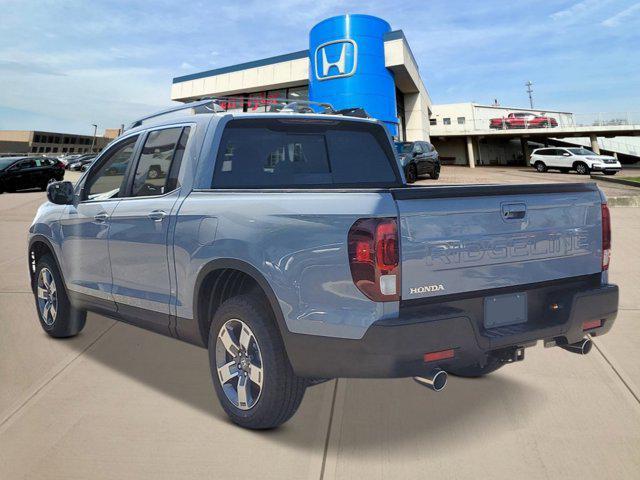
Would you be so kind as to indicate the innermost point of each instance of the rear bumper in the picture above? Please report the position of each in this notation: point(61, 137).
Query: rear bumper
point(395, 348)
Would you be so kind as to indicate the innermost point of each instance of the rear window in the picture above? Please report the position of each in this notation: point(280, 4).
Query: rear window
point(294, 153)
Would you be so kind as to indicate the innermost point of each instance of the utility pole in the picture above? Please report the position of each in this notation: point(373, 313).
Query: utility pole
point(529, 84)
point(93, 140)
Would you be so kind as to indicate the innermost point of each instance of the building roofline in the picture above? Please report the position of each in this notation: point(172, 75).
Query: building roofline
point(244, 66)
point(287, 57)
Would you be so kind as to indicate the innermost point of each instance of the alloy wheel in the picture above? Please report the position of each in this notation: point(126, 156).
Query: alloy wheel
point(47, 297)
point(239, 364)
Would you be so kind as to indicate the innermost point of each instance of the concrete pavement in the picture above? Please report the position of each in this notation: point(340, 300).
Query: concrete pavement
point(120, 402)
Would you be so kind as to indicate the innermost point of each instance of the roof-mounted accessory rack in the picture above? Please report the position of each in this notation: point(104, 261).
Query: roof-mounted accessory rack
point(284, 105)
point(207, 105)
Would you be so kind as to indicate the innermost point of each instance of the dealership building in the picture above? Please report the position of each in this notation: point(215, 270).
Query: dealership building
point(360, 61)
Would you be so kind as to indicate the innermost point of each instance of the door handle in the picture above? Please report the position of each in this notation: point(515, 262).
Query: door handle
point(157, 215)
point(101, 217)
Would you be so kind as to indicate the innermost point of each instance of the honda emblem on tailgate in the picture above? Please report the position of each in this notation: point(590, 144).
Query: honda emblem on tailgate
point(336, 59)
point(426, 289)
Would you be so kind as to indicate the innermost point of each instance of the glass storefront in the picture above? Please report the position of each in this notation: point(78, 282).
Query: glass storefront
point(260, 101)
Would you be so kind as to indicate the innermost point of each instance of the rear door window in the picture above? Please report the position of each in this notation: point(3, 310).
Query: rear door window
point(269, 153)
point(155, 174)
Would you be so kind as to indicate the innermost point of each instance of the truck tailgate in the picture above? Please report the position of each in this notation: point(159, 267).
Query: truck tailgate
point(462, 239)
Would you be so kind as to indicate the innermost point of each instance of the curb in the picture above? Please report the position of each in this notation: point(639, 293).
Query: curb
point(620, 181)
point(631, 201)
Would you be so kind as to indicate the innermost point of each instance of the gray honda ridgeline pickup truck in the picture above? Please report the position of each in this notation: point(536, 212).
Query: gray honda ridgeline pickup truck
point(289, 245)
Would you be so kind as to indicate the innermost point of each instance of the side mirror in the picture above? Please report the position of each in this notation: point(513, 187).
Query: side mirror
point(566, 154)
point(60, 193)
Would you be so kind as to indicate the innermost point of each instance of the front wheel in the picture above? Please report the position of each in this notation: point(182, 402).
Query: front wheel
point(411, 174)
point(57, 317)
point(251, 373)
point(435, 175)
point(582, 168)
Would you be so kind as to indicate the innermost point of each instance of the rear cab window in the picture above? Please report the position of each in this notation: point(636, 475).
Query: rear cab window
point(304, 153)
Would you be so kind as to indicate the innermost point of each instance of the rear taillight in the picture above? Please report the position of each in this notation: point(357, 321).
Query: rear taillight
point(60, 165)
point(606, 237)
point(374, 258)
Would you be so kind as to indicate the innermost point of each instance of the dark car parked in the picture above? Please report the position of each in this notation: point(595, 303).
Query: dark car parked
point(20, 173)
point(418, 158)
point(78, 163)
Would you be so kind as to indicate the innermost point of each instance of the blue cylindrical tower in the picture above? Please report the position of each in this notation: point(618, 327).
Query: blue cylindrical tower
point(347, 66)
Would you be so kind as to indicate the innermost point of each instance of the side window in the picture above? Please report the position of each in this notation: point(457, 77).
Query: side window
point(153, 169)
point(108, 181)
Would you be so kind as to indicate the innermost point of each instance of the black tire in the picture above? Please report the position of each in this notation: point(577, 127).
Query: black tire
point(282, 391)
point(610, 173)
point(435, 175)
point(68, 321)
point(582, 168)
point(476, 370)
point(411, 174)
point(540, 167)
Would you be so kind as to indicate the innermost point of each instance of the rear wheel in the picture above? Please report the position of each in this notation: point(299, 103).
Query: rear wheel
point(540, 167)
point(251, 373)
point(44, 186)
point(435, 175)
point(57, 317)
point(582, 168)
point(477, 369)
point(411, 173)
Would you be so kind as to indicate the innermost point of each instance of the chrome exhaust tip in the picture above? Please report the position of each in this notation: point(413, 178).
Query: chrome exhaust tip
point(435, 380)
point(581, 348)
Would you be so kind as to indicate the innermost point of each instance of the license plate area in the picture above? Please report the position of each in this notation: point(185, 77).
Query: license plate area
point(501, 310)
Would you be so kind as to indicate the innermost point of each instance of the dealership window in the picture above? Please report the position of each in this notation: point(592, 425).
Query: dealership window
point(298, 93)
point(446, 121)
point(34, 149)
point(56, 140)
point(460, 120)
point(433, 121)
point(55, 149)
point(36, 138)
point(65, 140)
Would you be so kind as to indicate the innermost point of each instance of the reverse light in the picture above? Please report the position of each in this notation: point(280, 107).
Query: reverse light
point(606, 237)
point(374, 258)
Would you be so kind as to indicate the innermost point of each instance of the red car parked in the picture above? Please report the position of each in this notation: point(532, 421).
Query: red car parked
point(523, 120)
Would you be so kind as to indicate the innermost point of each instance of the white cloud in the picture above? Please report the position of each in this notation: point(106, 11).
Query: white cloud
point(616, 20)
point(575, 10)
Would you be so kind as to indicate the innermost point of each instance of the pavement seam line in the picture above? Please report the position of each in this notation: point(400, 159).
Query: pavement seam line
point(53, 377)
point(326, 441)
point(618, 374)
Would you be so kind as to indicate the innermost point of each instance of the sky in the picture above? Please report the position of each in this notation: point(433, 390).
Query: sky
point(65, 65)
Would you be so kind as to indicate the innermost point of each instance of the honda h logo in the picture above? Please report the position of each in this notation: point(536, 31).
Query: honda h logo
point(336, 59)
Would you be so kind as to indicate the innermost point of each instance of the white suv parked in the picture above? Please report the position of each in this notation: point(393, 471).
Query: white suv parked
point(579, 159)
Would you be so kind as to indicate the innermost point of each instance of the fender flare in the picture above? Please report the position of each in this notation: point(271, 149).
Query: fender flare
point(39, 238)
point(251, 271)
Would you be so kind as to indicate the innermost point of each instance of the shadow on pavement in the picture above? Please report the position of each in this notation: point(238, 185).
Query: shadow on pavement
point(398, 409)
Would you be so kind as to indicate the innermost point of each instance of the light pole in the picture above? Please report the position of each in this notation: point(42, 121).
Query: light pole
point(93, 140)
point(529, 84)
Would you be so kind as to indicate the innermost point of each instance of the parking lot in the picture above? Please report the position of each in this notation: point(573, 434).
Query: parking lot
point(120, 402)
